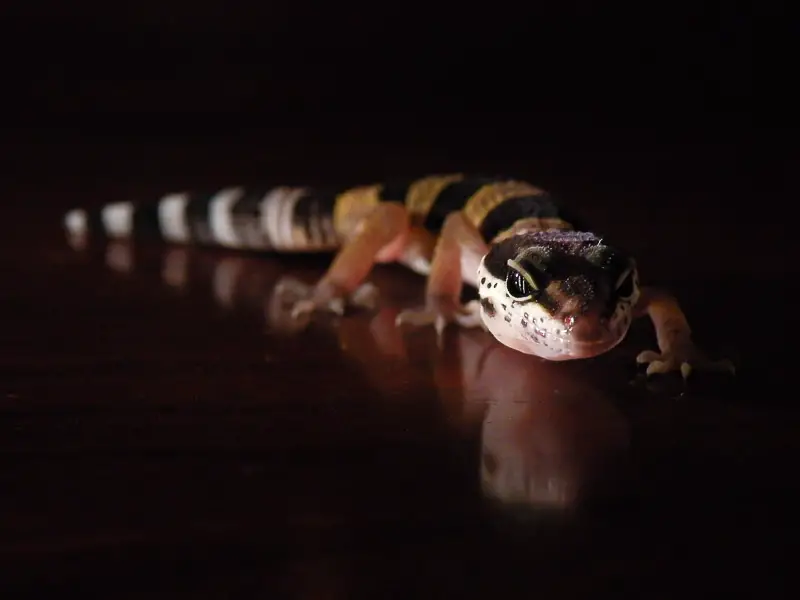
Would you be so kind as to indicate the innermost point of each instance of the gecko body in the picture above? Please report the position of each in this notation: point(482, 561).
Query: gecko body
point(546, 287)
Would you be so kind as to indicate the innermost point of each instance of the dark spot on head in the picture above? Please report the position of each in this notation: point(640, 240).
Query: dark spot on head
point(523, 322)
point(504, 307)
point(508, 318)
point(488, 307)
point(483, 279)
point(572, 269)
point(563, 241)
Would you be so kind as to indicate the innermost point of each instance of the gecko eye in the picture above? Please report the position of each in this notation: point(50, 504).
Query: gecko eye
point(519, 283)
point(624, 285)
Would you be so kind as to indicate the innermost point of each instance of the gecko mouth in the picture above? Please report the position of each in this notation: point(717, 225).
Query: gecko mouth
point(545, 342)
point(567, 348)
point(609, 337)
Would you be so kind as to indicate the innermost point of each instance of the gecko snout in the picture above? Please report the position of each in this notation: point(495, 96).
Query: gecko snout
point(587, 328)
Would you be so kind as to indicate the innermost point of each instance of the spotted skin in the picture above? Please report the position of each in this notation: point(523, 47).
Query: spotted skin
point(584, 303)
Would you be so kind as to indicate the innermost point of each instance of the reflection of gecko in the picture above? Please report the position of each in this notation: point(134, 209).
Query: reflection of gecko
point(545, 289)
point(549, 439)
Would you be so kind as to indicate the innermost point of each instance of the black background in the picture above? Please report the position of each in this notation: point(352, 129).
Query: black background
point(386, 74)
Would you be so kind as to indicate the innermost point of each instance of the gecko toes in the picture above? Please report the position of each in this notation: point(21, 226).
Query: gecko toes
point(306, 299)
point(414, 318)
point(686, 360)
point(440, 313)
point(365, 296)
point(290, 288)
point(302, 308)
point(657, 367)
point(439, 324)
point(336, 306)
point(647, 356)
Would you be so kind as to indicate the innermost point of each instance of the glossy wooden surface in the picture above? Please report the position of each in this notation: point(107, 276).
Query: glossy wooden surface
point(163, 435)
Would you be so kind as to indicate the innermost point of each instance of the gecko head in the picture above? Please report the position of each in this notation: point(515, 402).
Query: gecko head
point(557, 294)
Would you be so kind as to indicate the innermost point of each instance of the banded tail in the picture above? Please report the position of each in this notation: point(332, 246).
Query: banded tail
point(285, 219)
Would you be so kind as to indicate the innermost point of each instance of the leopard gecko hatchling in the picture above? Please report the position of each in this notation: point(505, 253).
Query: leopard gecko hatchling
point(546, 287)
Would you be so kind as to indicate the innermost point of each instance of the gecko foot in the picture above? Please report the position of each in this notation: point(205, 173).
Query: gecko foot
point(440, 313)
point(684, 358)
point(306, 299)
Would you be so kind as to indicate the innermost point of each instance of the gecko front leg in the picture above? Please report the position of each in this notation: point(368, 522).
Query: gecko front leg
point(677, 351)
point(457, 253)
point(380, 237)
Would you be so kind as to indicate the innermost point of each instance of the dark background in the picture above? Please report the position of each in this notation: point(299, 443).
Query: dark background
point(654, 121)
point(229, 68)
point(448, 75)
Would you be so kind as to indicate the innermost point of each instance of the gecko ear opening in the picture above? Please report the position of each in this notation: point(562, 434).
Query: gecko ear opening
point(520, 284)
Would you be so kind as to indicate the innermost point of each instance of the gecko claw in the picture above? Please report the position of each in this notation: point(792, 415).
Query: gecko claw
point(647, 356)
point(288, 287)
point(440, 314)
point(365, 296)
point(306, 299)
point(686, 370)
point(307, 306)
point(439, 325)
point(686, 358)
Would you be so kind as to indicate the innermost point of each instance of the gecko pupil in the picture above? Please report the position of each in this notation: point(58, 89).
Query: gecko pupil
point(516, 285)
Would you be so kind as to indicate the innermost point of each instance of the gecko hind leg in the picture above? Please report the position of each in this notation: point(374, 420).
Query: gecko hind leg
point(381, 236)
point(459, 246)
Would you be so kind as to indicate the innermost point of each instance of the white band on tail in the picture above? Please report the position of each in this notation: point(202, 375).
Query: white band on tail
point(277, 210)
point(117, 219)
point(76, 222)
point(220, 214)
point(286, 223)
point(172, 217)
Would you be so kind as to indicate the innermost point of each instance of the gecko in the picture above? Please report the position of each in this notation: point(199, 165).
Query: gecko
point(546, 286)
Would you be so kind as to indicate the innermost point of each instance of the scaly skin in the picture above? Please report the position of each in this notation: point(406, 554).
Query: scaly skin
point(564, 295)
point(559, 295)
